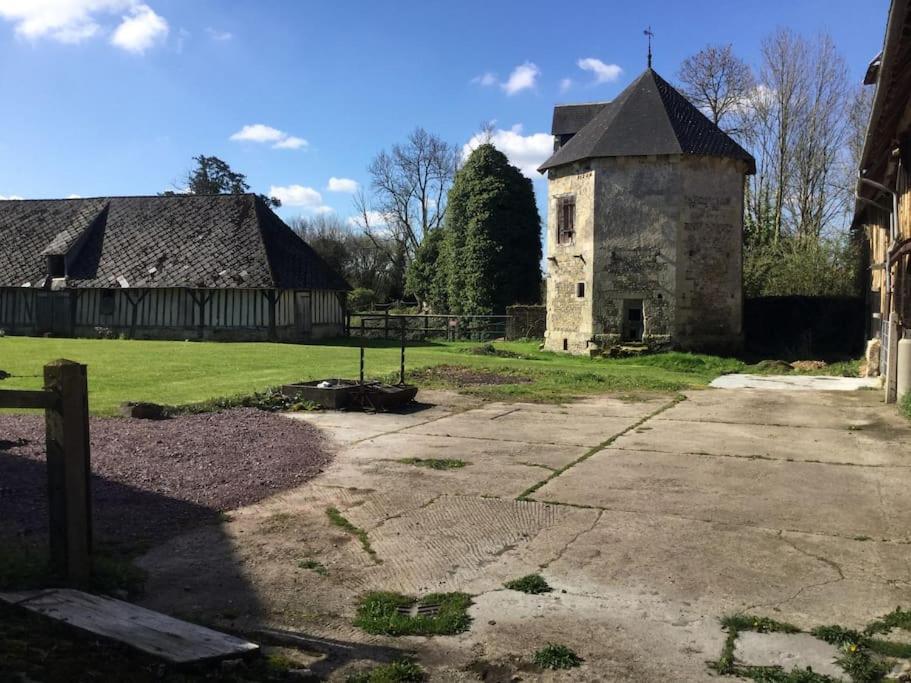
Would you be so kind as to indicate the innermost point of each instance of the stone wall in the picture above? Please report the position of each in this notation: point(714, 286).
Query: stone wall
point(638, 210)
point(666, 231)
point(709, 299)
point(569, 318)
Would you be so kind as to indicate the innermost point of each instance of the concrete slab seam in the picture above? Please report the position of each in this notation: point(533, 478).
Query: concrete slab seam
point(755, 456)
point(526, 495)
point(705, 520)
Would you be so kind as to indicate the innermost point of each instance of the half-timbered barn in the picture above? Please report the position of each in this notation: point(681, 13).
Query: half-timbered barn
point(218, 267)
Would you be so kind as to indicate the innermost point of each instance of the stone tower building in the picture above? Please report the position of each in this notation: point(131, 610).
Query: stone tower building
point(645, 224)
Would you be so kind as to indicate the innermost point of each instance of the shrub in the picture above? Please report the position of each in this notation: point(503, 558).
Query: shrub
point(822, 267)
point(361, 299)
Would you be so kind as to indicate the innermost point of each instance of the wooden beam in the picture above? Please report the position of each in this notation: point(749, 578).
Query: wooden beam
point(29, 399)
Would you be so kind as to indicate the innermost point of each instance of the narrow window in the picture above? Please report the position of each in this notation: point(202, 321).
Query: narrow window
point(580, 290)
point(107, 302)
point(566, 344)
point(566, 219)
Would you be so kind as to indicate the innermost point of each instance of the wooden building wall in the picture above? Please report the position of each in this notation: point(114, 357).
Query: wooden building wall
point(229, 314)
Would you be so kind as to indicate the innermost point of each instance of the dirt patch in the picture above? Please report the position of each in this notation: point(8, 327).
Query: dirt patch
point(461, 376)
point(152, 479)
point(807, 365)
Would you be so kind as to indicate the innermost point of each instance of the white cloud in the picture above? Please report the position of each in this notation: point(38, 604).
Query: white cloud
point(485, 79)
point(291, 142)
point(4, 198)
point(376, 219)
point(258, 132)
point(299, 195)
point(74, 196)
point(140, 30)
point(342, 185)
point(67, 21)
point(604, 73)
point(566, 84)
point(261, 133)
point(220, 36)
point(74, 21)
point(522, 78)
point(527, 152)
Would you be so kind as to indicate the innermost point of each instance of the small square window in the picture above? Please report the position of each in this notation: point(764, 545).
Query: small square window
point(566, 219)
point(580, 290)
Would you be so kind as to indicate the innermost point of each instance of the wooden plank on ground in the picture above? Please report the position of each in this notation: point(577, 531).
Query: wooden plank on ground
point(173, 640)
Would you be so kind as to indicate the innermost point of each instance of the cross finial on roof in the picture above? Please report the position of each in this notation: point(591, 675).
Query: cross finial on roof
point(649, 33)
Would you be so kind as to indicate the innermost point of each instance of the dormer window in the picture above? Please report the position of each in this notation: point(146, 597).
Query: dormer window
point(566, 219)
point(56, 266)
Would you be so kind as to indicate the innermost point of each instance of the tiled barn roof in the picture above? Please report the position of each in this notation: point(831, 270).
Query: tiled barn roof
point(649, 117)
point(223, 241)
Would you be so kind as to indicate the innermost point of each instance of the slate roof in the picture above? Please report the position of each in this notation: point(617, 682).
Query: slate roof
point(649, 117)
point(570, 118)
point(197, 241)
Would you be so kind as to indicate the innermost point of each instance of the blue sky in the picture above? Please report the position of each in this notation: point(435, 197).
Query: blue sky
point(109, 97)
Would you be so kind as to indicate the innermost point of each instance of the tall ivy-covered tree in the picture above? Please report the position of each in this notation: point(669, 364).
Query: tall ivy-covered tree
point(492, 236)
point(426, 275)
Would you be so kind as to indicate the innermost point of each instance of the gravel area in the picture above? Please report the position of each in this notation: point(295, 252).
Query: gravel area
point(151, 479)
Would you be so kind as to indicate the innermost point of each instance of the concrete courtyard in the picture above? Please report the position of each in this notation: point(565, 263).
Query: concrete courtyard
point(651, 519)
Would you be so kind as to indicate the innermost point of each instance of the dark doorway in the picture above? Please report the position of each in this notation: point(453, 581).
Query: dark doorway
point(633, 322)
point(53, 314)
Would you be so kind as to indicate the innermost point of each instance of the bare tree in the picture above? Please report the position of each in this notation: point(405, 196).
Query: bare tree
point(364, 261)
point(784, 76)
point(719, 83)
point(408, 192)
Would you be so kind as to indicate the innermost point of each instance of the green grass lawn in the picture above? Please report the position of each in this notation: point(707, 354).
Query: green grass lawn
point(177, 372)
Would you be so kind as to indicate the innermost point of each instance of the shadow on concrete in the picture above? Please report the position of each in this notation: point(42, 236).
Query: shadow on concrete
point(128, 520)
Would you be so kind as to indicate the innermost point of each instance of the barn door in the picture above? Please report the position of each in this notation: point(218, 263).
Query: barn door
point(44, 313)
point(302, 313)
point(53, 314)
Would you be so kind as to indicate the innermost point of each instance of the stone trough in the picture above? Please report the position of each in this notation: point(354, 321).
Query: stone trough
point(340, 394)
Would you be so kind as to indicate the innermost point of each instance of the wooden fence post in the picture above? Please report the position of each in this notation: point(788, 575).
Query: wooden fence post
point(68, 471)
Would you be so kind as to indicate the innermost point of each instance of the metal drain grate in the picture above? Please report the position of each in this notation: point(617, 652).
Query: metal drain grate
point(417, 610)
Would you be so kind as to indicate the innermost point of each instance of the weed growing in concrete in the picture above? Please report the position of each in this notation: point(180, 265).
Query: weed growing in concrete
point(897, 618)
point(434, 463)
point(771, 674)
point(859, 649)
point(339, 520)
point(746, 622)
point(533, 584)
point(554, 656)
point(394, 614)
point(401, 671)
point(905, 405)
point(734, 624)
point(314, 566)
